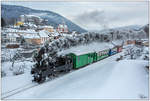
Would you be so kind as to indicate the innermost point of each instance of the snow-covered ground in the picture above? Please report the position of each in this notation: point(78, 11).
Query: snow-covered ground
point(106, 79)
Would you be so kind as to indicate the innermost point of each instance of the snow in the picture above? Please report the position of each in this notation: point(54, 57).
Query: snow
point(8, 54)
point(146, 49)
point(106, 79)
point(11, 82)
point(31, 31)
point(55, 33)
point(30, 16)
point(30, 36)
point(46, 27)
point(43, 34)
point(131, 82)
point(12, 35)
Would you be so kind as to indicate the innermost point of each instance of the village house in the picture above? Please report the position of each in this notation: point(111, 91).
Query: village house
point(38, 38)
point(32, 39)
point(47, 28)
point(30, 19)
point(20, 32)
point(62, 28)
point(11, 40)
point(10, 37)
point(146, 43)
point(44, 36)
point(130, 42)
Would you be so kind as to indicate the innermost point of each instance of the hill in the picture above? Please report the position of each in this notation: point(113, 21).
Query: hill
point(10, 12)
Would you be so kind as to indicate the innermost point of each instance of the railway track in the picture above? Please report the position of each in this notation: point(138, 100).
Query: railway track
point(26, 87)
point(18, 90)
point(29, 86)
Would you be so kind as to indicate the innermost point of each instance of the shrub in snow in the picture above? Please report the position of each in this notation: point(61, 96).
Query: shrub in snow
point(19, 68)
point(146, 57)
point(7, 54)
point(142, 96)
point(3, 74)
point(11, 68)
point(18, 71)
point(120, 58)
point(147, 67)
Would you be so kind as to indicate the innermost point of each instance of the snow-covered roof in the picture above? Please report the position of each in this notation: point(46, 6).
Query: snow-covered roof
point(73, 32)
point(30, 16)
point(30, 24)
point(62, 26)
point(46, 27)
point(30, 31)
point(43, 34)
point(64, 34)
point(55, 33)
point(12, 35)
point(146, 49)
point(31, 36)
point(23, 31)
point(65, 26)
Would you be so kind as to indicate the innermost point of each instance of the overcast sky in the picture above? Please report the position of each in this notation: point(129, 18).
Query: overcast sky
point(96, 15)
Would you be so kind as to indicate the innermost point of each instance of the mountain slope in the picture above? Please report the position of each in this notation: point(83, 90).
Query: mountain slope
point(13, 12)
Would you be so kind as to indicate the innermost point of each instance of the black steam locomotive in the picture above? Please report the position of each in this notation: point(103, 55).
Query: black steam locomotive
point(51, 68)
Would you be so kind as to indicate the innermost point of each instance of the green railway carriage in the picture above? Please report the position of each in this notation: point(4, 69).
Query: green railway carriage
point(102, 54)
point(83, 60)
point(80, 60)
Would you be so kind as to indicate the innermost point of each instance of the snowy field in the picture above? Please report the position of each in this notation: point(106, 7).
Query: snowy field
point(106, 79)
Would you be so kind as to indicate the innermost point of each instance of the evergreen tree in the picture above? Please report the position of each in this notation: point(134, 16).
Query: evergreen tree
point(3, 23)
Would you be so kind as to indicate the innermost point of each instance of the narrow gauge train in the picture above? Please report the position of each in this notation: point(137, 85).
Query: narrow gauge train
point(69, 62)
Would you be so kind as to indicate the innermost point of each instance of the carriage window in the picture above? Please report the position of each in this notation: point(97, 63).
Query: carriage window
point(78, 58)
point(99, 53)
point(106, 52)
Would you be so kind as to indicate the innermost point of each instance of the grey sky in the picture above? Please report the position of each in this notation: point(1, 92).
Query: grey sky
point(96, 15)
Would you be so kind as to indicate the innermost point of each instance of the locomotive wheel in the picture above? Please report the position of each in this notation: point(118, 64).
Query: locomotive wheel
point(55, 75)
point(67, 70)
point(41, 79)
point(49, 76)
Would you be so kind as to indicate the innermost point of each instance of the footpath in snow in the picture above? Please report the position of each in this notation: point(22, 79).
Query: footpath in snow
point(106, 79)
